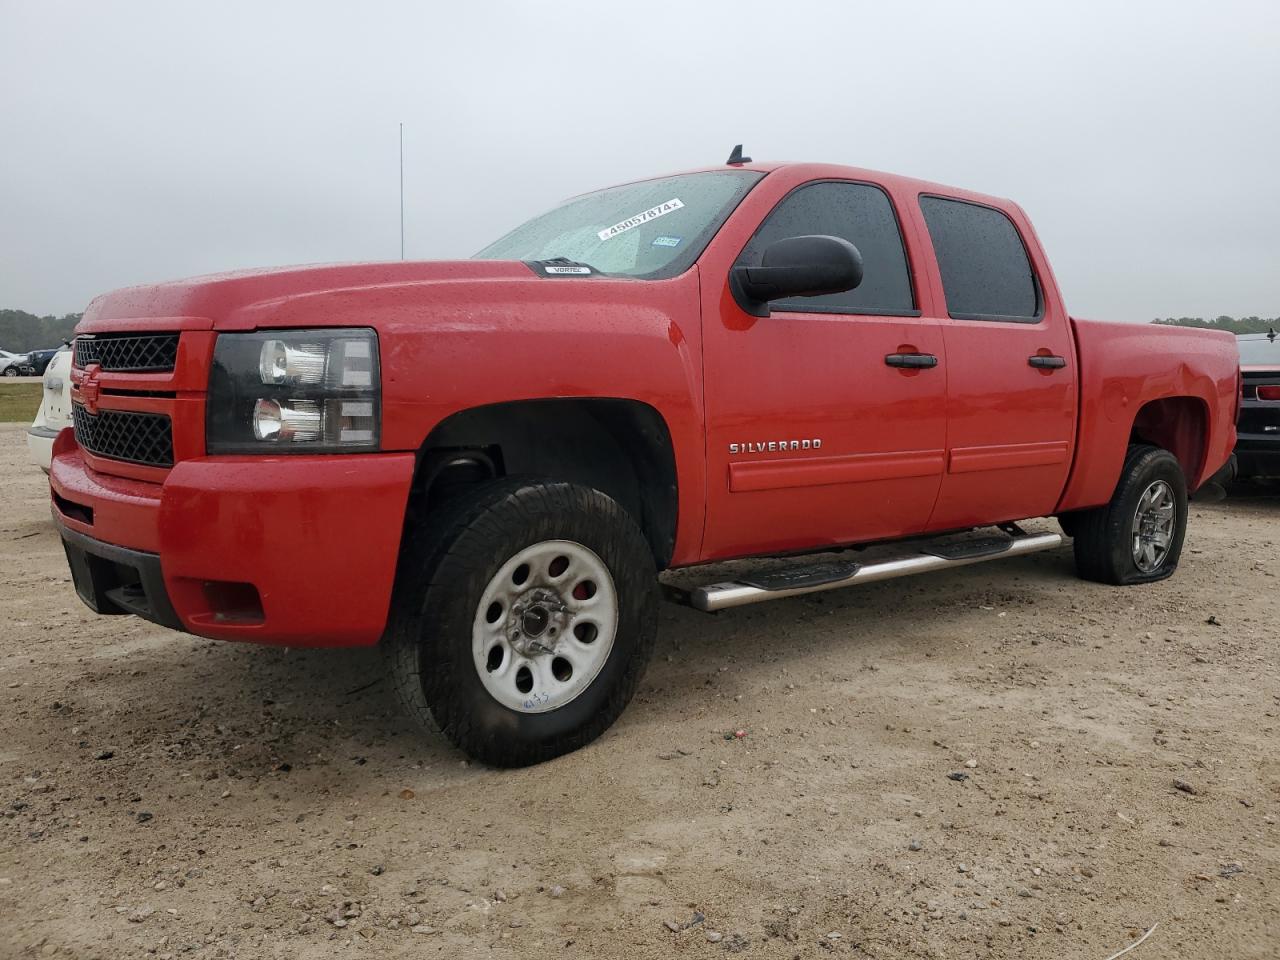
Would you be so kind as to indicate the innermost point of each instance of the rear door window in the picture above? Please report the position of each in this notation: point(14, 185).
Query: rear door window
point(986, 274)
point(860, 213)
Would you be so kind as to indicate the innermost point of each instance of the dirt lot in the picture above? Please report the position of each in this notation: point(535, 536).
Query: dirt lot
point(171, 796)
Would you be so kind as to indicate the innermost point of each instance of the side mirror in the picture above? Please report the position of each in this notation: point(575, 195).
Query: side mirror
point(797, 267)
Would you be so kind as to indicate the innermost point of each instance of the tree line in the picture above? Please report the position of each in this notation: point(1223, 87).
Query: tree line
point(1229, 324)
point(21, 331)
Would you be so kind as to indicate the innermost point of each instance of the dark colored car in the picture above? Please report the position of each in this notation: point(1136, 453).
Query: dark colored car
point(37, 362)
point(1258, 430)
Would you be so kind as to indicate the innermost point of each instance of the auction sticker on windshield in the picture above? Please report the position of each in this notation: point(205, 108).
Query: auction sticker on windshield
point(652, 213)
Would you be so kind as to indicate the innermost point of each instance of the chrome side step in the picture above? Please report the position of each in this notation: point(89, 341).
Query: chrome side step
point(739, 593)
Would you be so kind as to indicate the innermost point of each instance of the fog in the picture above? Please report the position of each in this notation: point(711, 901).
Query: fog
point(147, 141)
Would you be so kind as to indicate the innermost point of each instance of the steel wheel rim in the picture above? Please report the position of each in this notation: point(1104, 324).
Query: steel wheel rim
point(1153, 526)
point(545, 626)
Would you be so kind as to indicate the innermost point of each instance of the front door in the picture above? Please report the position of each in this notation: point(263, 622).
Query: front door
point(819, 432)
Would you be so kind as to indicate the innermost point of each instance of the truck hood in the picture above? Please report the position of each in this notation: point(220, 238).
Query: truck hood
point(245, 298)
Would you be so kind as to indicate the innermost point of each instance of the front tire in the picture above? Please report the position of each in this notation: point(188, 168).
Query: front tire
point(525, 615)
point(1137, 537)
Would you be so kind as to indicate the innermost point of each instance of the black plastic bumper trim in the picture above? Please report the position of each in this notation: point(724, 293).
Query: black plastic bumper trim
point(114, 580)
point(1258, 459)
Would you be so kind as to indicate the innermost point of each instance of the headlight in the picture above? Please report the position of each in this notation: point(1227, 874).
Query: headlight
point(281, 363)
point(294, 391)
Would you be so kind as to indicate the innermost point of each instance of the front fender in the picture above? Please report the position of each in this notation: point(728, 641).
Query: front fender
point(451, 347)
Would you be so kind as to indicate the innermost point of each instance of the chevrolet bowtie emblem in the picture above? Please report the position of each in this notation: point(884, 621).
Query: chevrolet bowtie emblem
point(90, 389)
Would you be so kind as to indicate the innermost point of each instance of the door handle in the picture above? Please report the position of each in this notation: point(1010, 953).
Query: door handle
point(914, 361)
point(1047, 363)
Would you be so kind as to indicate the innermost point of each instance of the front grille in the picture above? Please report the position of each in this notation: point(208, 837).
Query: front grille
point(135, 353)
point(145, 438)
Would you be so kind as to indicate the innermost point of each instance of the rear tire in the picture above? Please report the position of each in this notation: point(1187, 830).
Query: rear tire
point(526, 613)
point(1137, 537)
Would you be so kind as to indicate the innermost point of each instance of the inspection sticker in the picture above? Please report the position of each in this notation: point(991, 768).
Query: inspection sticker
point(666, 241)
point(652, 213)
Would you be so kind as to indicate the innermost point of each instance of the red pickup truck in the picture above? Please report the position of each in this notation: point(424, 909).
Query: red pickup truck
point(482, 465)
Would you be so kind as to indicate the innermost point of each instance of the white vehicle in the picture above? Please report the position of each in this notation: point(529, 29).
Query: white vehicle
point(55, 409)
point(11, 363)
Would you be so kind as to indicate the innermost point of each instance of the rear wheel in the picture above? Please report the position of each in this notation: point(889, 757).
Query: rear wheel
point(1137, 537)
point(524, 619)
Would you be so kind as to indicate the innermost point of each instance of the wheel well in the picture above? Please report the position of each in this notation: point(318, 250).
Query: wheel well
point(1179, 425)
point(620, 447)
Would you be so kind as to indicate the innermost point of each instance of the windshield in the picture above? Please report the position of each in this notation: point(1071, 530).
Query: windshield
point(1259, 351)
point(652, 229)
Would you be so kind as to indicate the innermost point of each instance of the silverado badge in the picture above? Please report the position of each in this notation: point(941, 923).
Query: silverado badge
point(774, 446)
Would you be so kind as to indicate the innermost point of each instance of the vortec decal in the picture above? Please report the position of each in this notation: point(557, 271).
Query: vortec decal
point(630, 223)
point(569, 271)
point(775, 446)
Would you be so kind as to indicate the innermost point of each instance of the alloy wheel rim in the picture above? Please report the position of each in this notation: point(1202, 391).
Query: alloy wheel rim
point(1153, 526)
point(545, 626)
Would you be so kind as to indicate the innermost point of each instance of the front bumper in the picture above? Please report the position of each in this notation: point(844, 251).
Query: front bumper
point(113, 580)
point(298, 551)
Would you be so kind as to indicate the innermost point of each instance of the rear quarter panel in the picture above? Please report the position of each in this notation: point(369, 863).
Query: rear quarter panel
point(1125, 366)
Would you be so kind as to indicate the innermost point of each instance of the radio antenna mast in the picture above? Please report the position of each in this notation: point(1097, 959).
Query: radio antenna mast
point(402, 190)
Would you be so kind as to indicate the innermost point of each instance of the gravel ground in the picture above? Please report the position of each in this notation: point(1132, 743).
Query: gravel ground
point(999, 762)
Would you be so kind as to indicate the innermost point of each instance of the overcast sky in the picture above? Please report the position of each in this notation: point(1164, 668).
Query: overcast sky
point(147, 141)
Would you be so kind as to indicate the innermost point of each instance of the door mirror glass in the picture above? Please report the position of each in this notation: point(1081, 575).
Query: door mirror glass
point(809, 266)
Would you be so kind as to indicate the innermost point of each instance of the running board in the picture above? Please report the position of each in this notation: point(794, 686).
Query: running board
point(816, 578)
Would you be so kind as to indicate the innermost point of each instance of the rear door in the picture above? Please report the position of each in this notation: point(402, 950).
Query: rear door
point(814, 438)
point(1011, 372)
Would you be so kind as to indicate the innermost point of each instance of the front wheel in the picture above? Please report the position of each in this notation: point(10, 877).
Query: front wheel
point(526, 614)
point(1137, 537)
point(10, 371)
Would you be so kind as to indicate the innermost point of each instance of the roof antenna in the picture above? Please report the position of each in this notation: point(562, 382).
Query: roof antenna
point(736, 158)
